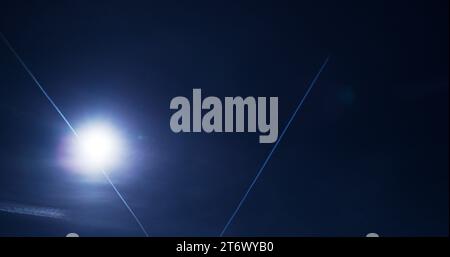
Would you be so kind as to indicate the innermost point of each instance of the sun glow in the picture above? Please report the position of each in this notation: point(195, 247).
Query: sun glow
point(98, 147)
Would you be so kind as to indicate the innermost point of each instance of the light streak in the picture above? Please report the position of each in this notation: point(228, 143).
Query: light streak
point(244, 197)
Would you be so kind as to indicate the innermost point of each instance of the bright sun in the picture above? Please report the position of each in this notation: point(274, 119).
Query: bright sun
point(98, 147)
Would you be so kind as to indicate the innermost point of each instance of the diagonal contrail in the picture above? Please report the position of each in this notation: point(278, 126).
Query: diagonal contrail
point(244, 197)
point(70, 126)
point(37, 82)
point(125, 203)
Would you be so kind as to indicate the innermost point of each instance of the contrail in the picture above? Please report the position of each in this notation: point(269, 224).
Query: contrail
point(37, 82)
point(70, 126)
point(32, 210)
point(244, 197)
point(125, 203)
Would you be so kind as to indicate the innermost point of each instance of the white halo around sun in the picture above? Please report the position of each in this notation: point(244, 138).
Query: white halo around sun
point(98, 147)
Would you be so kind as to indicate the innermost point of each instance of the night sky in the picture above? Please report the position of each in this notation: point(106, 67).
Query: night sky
point(368, 151)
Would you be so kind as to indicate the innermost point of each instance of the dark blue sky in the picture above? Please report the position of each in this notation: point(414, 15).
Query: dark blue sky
point(368, 152)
